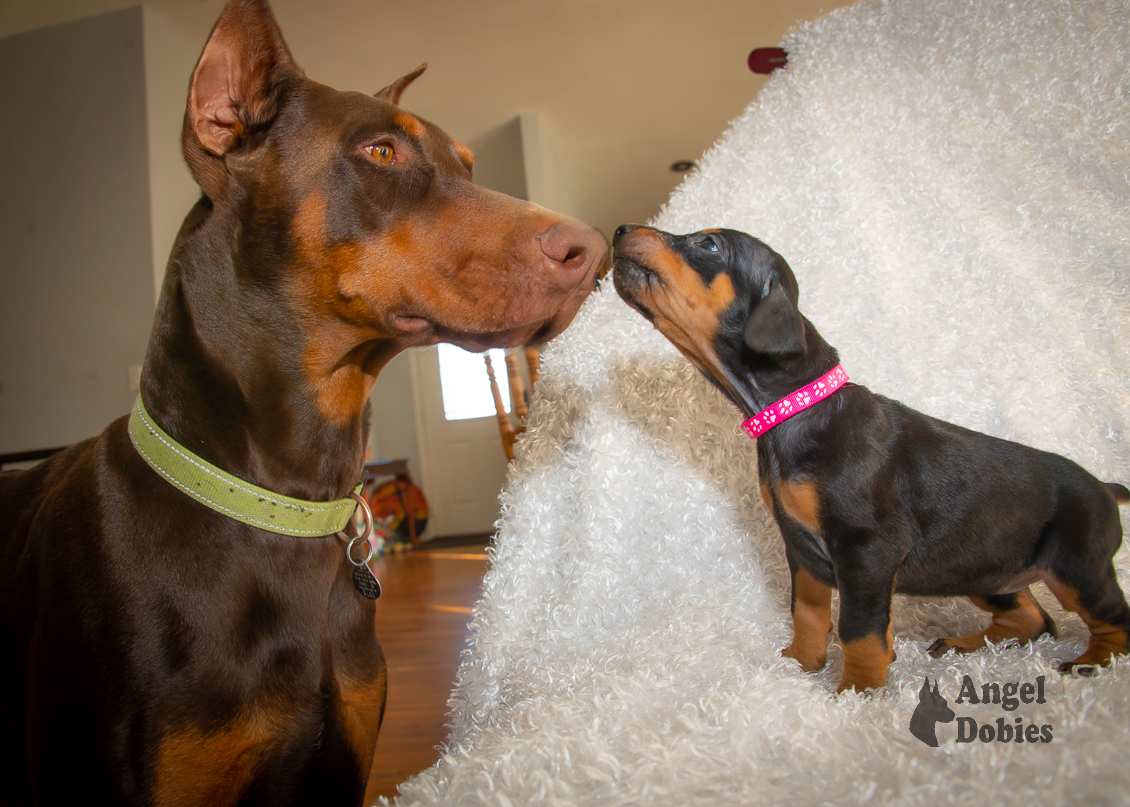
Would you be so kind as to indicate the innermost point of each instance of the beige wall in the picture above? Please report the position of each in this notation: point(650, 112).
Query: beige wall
point(76, 299)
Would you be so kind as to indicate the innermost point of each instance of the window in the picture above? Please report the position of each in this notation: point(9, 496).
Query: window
point(464, 383)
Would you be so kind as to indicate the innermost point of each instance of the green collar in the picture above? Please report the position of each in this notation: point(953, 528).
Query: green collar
point(229, 494)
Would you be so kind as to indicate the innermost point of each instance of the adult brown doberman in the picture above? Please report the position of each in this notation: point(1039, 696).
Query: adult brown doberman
point(154, 650)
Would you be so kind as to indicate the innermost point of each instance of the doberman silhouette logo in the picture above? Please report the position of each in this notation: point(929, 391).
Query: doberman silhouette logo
point(931, 710)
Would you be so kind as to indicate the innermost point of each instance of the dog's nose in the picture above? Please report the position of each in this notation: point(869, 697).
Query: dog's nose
point(573, 246)
point(622, 230)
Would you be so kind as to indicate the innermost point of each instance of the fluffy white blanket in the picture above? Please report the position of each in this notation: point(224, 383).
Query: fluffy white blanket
point(950, 181)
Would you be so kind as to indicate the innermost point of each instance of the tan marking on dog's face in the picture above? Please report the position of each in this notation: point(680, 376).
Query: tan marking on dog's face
point(469, 270)
point(685, 309)
point(473, 266)
point(466, 156)
point(338, 326)
point(801, 501)
point(341, 383)
point(309, 225)
point(450, 261)
point(409, 124)
point(812, 621)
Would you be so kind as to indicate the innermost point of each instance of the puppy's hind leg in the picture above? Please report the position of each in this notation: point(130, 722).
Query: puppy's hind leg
point(1103, 608)
point(1080, 571)
point(1016, 617)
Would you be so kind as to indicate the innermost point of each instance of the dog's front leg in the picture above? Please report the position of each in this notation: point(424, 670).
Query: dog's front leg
point(866, 582)
point(812, 618)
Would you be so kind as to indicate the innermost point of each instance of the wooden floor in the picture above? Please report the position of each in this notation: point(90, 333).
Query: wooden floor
point(422, 618)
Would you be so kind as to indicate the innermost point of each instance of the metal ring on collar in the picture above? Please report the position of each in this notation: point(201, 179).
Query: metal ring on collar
point(363, 535)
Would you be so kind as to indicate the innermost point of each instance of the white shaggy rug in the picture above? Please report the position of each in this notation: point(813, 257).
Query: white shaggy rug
point(950, 181)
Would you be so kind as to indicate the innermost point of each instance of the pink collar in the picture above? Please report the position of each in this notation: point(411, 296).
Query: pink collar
point(800, 400)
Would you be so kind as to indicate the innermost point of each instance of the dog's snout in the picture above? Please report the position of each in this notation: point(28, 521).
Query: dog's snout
point(623, 230)
point(572, 247)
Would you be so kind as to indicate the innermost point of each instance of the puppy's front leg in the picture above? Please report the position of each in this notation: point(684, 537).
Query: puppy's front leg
point(865, 624)
point(812, 619)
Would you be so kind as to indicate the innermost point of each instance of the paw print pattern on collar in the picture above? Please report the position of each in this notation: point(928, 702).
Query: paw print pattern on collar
point(797, 402)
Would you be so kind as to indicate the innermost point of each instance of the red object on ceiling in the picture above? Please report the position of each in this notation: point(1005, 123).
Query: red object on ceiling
point(765, 60)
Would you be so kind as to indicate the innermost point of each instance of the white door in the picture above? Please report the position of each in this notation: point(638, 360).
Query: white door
point(462, 462)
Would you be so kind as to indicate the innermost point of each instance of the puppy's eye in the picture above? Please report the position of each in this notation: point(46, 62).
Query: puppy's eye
point(382, 153)
point(709, 244)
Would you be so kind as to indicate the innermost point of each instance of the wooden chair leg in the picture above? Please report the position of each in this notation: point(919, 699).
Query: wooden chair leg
point(533, 362)
point(504, 427)
point(518, 406)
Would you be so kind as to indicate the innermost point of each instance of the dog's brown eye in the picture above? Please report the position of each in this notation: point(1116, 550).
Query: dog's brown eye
point(382, 153)
point(709, 244)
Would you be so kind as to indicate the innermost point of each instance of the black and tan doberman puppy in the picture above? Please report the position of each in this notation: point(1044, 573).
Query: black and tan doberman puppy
point(154, 650)
point(871, 497)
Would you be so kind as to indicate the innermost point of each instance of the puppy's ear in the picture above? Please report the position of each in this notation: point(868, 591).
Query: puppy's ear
point(775, 326)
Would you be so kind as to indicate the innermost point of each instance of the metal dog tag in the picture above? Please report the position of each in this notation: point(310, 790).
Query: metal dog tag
point(365, 582)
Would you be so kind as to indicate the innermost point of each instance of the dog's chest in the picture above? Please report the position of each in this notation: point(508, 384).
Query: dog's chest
point(796, 506)
point(809, 548)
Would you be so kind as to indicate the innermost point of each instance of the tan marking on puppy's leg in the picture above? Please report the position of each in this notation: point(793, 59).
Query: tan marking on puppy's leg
point(866, 661)
point(802, 502)
point(812, 622)
point(1106, 640)
point(1024, 623)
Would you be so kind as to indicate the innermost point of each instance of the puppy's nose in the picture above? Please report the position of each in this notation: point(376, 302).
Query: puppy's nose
point(623, 229)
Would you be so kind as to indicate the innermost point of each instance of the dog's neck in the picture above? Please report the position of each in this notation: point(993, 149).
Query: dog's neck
point(223, 375)
point(764, 380)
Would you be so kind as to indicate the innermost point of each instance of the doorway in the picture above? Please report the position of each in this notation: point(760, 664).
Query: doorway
point(462, 461)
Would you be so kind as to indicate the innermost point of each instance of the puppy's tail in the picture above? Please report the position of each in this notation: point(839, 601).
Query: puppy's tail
point(1120, 492)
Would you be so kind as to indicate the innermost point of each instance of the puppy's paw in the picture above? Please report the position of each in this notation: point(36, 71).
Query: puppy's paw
point(961, 644)
point(810, 659)
point(939, 648)
point(864, 689)
point(1074, 668)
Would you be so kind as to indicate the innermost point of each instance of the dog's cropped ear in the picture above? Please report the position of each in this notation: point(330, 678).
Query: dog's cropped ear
point(393, 91)
point(235, 87)
point(775, 326)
